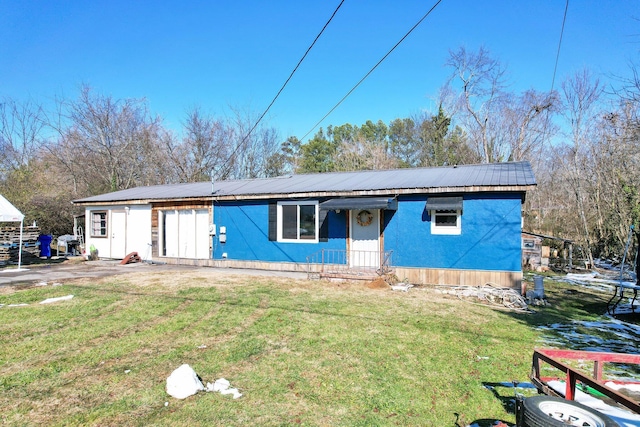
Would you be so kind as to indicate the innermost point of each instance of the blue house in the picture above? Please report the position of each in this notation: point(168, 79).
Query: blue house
point(446, 225)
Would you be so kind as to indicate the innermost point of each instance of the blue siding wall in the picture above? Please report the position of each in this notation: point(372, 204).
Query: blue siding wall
point(490, 237)
point(247, 226)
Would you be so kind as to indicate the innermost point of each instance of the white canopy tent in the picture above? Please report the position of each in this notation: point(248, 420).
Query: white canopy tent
point(9, 213)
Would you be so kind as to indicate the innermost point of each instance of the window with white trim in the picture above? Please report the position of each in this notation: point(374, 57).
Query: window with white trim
point(446, 222)
point(298, 222)
point(99, 224)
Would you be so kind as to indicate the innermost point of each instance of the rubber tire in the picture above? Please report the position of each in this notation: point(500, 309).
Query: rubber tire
point(534, 415)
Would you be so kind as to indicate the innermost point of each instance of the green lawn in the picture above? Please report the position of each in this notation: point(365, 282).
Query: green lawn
point(301, 352)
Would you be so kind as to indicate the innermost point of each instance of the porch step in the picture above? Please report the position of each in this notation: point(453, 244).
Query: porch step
point(348, 276)
point(353, 265)
point(353, 275)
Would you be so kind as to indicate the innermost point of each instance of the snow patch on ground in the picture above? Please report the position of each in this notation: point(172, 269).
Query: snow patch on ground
point(608, 334)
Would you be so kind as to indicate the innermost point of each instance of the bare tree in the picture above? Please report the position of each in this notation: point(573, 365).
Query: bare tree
point(616, 168)
point(526, 123)
point(589, 182)
point(502, 125)
point(482, 81)
point(581, 94)
point(107, 144)
point(21, 126)
point(254, 144)
point(26, 171)
point(206, 146)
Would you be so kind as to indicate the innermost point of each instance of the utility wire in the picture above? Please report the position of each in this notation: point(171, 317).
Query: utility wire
point(372, 69)
point(284, 85)
point(555, 67)
point(553, 81)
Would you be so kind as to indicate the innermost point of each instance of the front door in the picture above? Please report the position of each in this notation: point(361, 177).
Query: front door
point(118, 234)
point(364, 250)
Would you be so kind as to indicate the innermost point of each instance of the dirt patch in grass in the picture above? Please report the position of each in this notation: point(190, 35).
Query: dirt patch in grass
point(379, 283)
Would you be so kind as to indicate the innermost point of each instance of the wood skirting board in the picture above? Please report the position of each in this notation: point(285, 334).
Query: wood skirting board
point(429, 276)
point(230, 263)
point(414, 275)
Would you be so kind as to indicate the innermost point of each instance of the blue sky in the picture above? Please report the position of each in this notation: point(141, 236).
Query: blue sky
point(225, 55)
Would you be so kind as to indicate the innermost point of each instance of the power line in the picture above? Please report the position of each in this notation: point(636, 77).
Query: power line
point(372, 69)
point(300, 62)
point(553, 81)
point(555, 67)
point(285, 84)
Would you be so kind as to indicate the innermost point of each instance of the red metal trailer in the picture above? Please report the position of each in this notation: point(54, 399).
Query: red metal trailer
point(560, 409)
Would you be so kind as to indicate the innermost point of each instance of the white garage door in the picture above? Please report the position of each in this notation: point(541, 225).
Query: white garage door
point(186, 233)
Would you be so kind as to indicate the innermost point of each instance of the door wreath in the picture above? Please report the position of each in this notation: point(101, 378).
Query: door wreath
point(364, 218)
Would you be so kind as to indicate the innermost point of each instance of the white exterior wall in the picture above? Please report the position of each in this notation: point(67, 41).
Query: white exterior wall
point(136, 228)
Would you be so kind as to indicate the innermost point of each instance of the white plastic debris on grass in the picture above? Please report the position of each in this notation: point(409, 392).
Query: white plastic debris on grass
point(43, 283)
point(488, 294)
point(57, 299)
point(621, 416)
point(218, 385)
point(404, 287)
point(46, 301)
point(183, 382)
point(224, 387)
